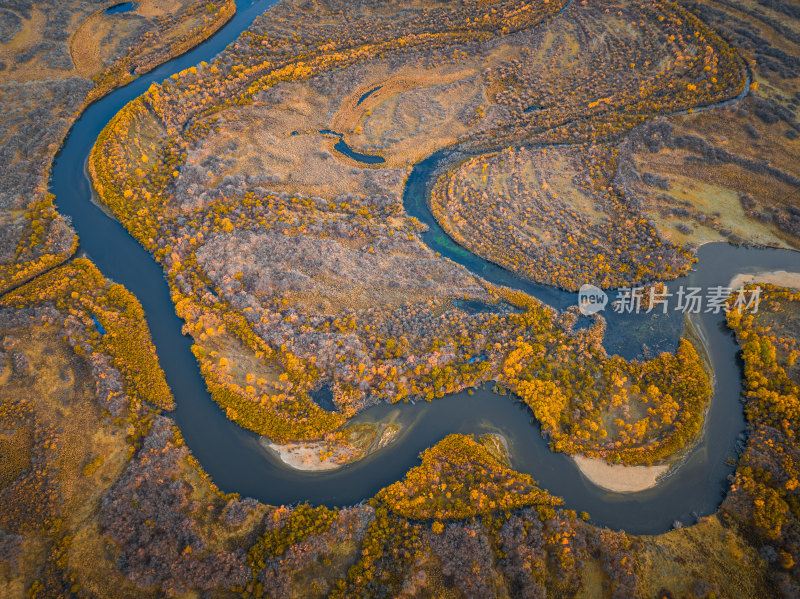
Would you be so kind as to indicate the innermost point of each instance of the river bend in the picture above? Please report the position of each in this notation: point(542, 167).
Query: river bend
point(237, 462)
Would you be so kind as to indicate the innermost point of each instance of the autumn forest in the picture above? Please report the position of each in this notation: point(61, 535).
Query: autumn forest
point(246, 248)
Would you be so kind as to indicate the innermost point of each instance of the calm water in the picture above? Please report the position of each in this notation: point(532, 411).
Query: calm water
point(342, 147)
point(121, 7)
point(366, 95)
point(236, 461)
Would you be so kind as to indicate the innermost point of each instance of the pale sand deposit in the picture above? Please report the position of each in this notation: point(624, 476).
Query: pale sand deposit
point(321, 456)
point(781, 278)
point(618, 477)
point(303, 456)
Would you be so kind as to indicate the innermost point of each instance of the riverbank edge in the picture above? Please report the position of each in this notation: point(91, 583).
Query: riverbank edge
point(622, 478)
point(307, 456)
point(781, 278)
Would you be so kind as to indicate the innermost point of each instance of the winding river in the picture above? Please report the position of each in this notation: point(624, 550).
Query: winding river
point(237, 462)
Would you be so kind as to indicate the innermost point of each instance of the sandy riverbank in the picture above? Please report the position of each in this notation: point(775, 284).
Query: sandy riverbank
point(304, 456)
point(319, 456)
point(618, 477)
point(782, 278)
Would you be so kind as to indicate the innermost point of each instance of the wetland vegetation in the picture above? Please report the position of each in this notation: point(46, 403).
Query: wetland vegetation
point(295, 266)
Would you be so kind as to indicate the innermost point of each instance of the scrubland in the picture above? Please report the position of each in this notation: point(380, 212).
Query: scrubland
point(586, 155)
point(56, 58)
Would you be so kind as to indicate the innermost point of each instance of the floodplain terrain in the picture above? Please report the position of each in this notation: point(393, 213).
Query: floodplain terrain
point(590, 142)
point(55, 59)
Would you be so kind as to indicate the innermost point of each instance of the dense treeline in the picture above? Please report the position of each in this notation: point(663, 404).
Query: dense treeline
point(765, 493)
point(280, 416)
point(391, 546)
point(460, 478)
point(113, 320)
point(47, 242)
point(628, 411)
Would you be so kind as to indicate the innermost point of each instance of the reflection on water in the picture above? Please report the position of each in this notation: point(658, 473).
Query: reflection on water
point(323, 397)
